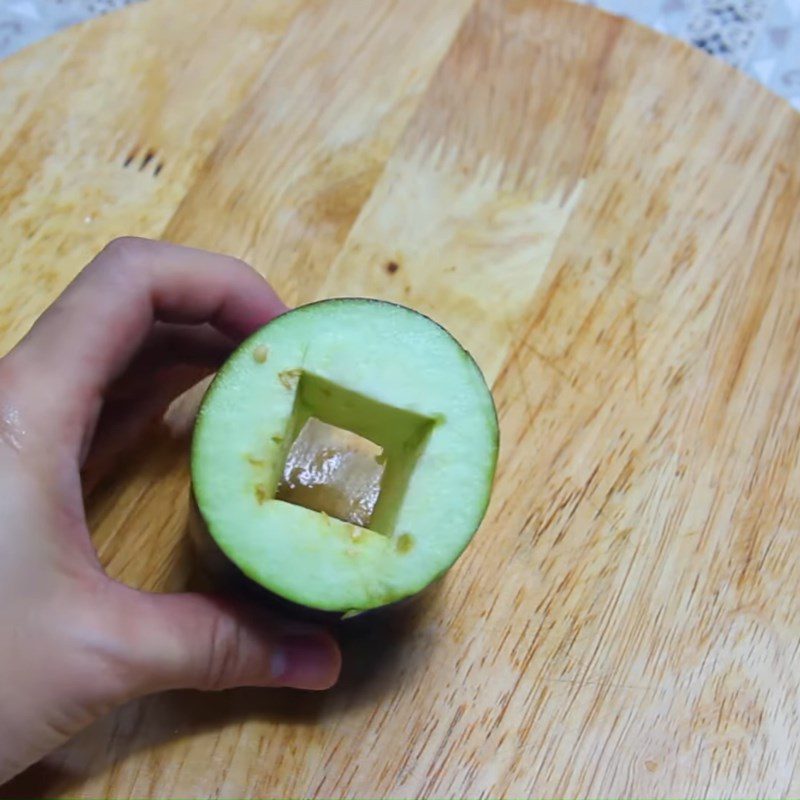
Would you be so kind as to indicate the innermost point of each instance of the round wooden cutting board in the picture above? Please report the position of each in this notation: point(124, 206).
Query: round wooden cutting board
point(610, 221)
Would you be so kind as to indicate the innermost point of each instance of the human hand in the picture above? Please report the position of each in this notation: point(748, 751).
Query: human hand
point(73, 642)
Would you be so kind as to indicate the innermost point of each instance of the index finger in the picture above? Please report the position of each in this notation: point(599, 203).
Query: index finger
point(91, 332)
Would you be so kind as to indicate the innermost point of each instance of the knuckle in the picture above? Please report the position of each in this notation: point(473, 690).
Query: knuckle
point(99, 637)
point(222, 654)
point(234, 262)
point(125, 251)
point(122, 262)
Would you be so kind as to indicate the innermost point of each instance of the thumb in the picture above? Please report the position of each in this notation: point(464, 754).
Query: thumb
point(197, 641)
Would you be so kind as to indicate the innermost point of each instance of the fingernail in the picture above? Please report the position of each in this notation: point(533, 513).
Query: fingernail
point(306, 661)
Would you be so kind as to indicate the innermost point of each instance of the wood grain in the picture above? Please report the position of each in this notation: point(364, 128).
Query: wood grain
point(610, 221)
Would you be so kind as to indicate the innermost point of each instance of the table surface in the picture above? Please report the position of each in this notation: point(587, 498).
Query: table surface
point(609, 220)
